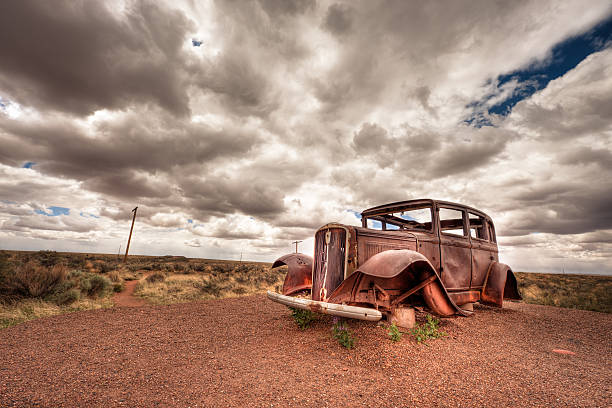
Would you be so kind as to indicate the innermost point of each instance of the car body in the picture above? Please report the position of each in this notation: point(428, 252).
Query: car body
point(436, 254)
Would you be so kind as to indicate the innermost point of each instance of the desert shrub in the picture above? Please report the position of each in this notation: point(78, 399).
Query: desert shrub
point(95, 285)
point(156, 277)
point(428, 330)
point(239, 290)
point(114, 276)
point(197, 267)
point(47, 258)
point(32, 280)
point(342, 334)
point(209, 287)
point(104, 267)
point(394, 333)
point(68, 297)
point(76, 261)
point(118, 286)
point(303, 318)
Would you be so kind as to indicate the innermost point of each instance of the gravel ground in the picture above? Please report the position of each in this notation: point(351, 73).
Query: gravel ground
point(248, 352)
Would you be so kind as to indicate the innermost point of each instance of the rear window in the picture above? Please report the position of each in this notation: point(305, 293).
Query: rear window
point(478, 226)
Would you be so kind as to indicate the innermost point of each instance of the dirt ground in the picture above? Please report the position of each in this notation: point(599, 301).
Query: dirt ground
point(248, 352)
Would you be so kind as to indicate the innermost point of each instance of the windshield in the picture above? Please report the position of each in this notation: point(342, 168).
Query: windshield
point(411, 218)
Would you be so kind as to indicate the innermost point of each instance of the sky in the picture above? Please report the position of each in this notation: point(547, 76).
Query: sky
point(237, 127)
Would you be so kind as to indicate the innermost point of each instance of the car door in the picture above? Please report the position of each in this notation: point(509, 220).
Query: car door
point(483, 249)
point(455, 249)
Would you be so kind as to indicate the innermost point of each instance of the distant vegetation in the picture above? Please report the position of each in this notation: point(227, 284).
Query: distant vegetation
point(207, 279)
point(44, 283)
point(588, 292)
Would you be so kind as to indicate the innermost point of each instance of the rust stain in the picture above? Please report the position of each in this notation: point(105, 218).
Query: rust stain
point(435, 254)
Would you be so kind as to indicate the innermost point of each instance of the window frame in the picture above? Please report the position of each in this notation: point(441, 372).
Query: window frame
point(463, 212)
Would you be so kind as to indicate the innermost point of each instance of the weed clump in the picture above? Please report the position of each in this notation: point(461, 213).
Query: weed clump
point(303, 318)
point(394, 333)
point(428, 330)
point(342, 334)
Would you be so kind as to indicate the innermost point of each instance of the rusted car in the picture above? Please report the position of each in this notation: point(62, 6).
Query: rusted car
point(438, 255)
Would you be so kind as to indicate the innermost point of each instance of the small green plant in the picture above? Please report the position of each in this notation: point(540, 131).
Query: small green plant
point(303, 318)
point(394, 333)
point(428, 330)
point(342, 333)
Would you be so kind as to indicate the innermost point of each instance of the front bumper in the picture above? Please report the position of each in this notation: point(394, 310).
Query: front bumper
point(353, 312)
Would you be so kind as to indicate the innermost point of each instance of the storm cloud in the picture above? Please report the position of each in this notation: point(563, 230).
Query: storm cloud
point(291, 114)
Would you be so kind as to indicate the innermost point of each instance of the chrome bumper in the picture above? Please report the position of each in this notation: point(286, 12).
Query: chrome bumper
point(353, 312)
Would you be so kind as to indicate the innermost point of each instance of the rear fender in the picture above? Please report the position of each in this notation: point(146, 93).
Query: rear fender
point(299, 276)
point(393, 263)
point(500, 284)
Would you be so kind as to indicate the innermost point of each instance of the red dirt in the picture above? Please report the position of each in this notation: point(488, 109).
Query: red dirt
point(126, 296)
point(248, 352)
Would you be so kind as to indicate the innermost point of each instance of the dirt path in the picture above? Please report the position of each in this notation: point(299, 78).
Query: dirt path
point(126, 296)
point(248, 352)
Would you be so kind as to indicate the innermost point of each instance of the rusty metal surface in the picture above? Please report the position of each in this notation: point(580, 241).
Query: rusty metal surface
point(409, 261)
point(500, 284)
point(299, 275)
point(329, 262)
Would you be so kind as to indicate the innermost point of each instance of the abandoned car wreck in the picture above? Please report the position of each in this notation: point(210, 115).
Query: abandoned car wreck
point(435, 254)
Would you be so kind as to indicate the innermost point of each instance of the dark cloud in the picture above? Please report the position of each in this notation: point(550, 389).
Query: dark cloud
point(242, 86)
point(586, 155)
point(562, 209)
point(78, 56)
point(338, 19)
point(276, 8)
point(147, 141)
point(370, 138)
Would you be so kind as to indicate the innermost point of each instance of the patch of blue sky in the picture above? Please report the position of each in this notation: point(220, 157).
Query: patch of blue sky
point(54, 211)
point(83, 214)
point(196, 43)
point(513, 87)
point(374, 224)
point(189, 221)
point(8, 202)
point(28, 165)
point(355, 213)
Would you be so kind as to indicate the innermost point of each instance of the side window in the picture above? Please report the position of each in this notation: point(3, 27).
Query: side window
point(451, 222)
point(491, 231)
point(373, 224)
point(477, 226)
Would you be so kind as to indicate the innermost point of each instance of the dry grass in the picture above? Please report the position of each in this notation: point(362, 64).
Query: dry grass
point(587, 292)
point(33, 308)
point(39, 284)
point(53, 283)
point(217, 280)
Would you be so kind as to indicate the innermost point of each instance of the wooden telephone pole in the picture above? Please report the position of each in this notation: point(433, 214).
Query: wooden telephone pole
point(296, 243)
point(130, 238)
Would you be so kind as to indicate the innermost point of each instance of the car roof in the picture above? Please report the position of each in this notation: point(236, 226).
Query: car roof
point(409, 203)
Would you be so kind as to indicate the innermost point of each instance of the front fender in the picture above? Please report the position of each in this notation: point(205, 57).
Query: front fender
point(500, 284)
point(389, 264)
point(299, 276)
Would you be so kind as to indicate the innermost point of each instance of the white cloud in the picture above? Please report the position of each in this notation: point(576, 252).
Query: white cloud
point(293, 116)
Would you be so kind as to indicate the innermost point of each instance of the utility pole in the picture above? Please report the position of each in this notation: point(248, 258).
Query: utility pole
point(130, 238)
point(296, 244)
